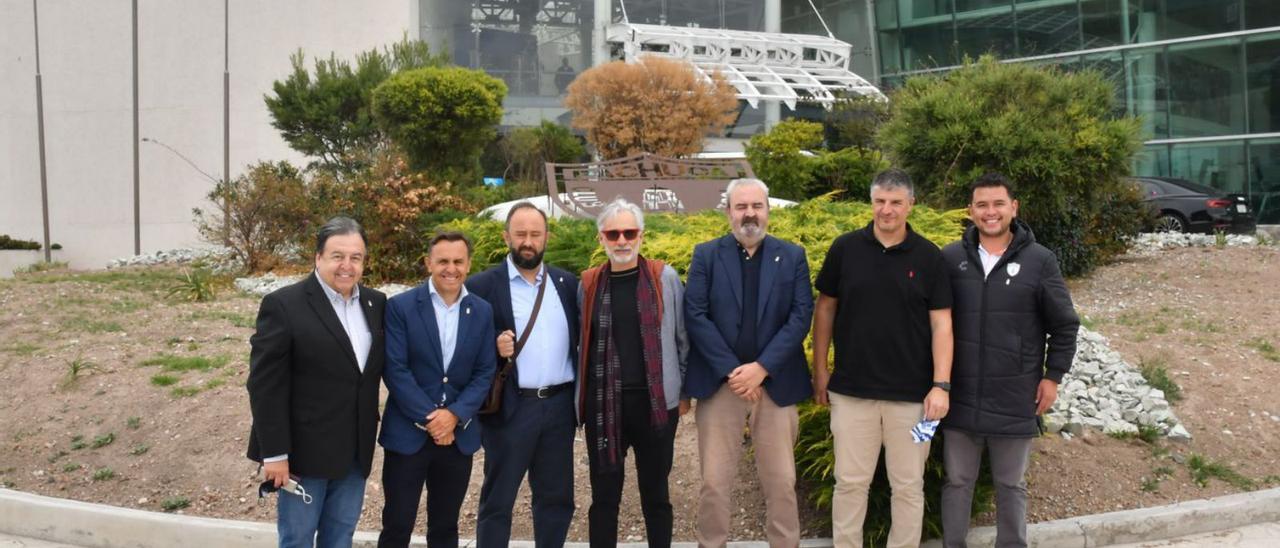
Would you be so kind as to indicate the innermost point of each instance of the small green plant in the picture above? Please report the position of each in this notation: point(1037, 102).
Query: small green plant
point(163, 380)
point(185, 391)
point(1087, 322)
point(1149, 485)
point(213, 383)
point(91, 326)
point(103, 474)
point(71, 467)
point(54, 457)
point(186, 363)
point(36, 268)
point(78, 443)
point(1219, 238)
point(1264, 348)
point(196, 285)
point(133, 423)
point(76, 368)
point(104, 440)
point(1157, 375)
point(1262, 239)
point(139, 449)
point(1148, 434)
point(22, 349)
point(173, 504)
point(1115, 434)
point(1203, 469)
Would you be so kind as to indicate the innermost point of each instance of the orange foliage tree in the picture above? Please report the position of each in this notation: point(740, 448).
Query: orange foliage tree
point(656, 105)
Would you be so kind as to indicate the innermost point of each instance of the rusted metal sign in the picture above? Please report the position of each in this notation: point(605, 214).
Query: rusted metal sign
point(655, 183)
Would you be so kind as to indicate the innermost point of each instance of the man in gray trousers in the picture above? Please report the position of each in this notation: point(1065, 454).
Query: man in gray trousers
point(1015, 337)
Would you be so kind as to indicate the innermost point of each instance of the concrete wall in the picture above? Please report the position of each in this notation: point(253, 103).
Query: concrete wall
point(85, 51)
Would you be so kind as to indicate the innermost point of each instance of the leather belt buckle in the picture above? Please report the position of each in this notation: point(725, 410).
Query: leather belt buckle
point(545, 392)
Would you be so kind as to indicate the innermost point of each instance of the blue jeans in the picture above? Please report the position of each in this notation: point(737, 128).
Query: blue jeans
point(330, 520)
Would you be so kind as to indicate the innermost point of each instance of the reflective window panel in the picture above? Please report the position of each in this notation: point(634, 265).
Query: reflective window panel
point(1219, 165)
point(1261, 14)
point(1048, 27)
point(1264, 180)
point(1263, 73)
point(1103, 22)
point(1152, 161)
point(1181, 18)
point(1206, 89)
point(1147, 90)
point(984, 26)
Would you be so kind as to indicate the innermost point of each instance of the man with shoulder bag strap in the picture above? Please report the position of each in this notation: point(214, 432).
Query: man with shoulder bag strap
point(532, 431)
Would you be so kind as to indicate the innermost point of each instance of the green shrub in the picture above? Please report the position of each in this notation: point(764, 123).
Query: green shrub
point(813, 224)
point(791, 159)
point(325, 113)
point(1051, 132)
point(441, 118)
point(525, 151)
point(195, 285)
point(10, 243)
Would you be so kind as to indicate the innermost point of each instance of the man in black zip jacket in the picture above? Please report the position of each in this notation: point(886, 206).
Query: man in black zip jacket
point(1015, 336)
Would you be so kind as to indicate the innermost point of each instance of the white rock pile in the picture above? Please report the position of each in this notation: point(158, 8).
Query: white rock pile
point(1106, 393)
point(219, 258)
point(1154, 241)
point(261, 285)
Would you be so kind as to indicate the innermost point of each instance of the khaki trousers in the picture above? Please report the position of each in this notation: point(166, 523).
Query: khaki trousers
point(773, 437)
point(859, 427)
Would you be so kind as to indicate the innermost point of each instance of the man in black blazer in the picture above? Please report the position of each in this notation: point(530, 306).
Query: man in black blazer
point(314, 369)
point(534, 430)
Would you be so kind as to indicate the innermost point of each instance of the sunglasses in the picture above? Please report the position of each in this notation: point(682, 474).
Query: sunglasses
point(629, 234)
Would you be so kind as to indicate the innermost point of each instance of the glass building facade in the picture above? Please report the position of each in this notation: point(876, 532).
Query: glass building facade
point(1203, 75)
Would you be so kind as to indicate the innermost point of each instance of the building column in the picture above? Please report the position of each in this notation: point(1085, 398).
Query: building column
point(603, 18)
point(772, 23)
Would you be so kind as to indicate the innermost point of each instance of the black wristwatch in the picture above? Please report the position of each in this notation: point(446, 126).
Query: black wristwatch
point(945, 386)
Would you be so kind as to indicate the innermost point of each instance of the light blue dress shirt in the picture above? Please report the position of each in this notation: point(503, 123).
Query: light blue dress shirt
point(545, 358)
point(446, 321)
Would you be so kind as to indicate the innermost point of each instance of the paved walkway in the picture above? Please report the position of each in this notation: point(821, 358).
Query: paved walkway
point(1261, 535)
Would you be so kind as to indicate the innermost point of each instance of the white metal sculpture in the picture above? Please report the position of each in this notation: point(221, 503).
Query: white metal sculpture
point(765, 66)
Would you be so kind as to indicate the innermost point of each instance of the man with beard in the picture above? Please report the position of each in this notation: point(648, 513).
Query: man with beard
point(1009, 300)
point(632, 365)
point(533, 431)
point(885, 303)
point(747, 309)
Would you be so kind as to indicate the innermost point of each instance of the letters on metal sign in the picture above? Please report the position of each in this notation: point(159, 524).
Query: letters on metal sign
point(655, 183)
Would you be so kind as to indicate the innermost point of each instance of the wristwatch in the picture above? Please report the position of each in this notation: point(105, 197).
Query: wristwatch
point(945, 386)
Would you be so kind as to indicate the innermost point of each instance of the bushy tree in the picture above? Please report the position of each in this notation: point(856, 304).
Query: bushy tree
point(656, 105)
point(791, 159)
point(324, 112)
point(398, 208)
point(441, 118)
point(1051, 132)
point(852, 121)
point(262, 216)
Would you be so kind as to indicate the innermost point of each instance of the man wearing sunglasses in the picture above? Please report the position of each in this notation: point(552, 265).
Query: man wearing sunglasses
point(747, 308)
point(631, 364)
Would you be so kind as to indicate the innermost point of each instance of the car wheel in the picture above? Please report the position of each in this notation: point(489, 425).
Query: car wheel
point(1170, 222)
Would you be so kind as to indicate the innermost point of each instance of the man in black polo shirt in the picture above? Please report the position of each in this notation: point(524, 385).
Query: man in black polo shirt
point(885, 300)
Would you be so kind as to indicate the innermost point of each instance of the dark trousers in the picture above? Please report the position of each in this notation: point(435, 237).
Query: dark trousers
point(539, 440)
point(654, 450)
point(962, 455)
point(445, 472)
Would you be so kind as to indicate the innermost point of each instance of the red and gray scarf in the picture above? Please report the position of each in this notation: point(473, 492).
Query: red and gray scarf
point(606, 366)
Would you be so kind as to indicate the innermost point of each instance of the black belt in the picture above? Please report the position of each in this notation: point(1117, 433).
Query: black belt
point(544, 392)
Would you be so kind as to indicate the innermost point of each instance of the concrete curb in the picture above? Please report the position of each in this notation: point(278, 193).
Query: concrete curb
point(102, 526)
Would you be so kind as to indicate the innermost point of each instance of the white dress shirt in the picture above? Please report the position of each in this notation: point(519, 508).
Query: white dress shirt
point(446, 321)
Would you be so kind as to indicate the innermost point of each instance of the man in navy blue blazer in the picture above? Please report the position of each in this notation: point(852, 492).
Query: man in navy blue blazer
point(533, 432)
point(747, 307)
point(440, 363)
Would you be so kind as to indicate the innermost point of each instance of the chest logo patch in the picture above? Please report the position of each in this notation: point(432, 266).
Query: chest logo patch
point(1013, 269)
point(963, 266)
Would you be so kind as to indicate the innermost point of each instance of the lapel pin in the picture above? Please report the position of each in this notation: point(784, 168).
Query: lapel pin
point(468, 310)
point(561, 279)
point(777, 258)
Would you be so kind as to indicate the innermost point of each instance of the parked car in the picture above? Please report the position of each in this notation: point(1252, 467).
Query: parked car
point(1179, 205)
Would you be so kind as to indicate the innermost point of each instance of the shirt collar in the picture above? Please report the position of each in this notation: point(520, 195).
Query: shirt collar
point(742, 250)
point(869, 232)
point(435, 295)
point(513, 272)
point(333, 295)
